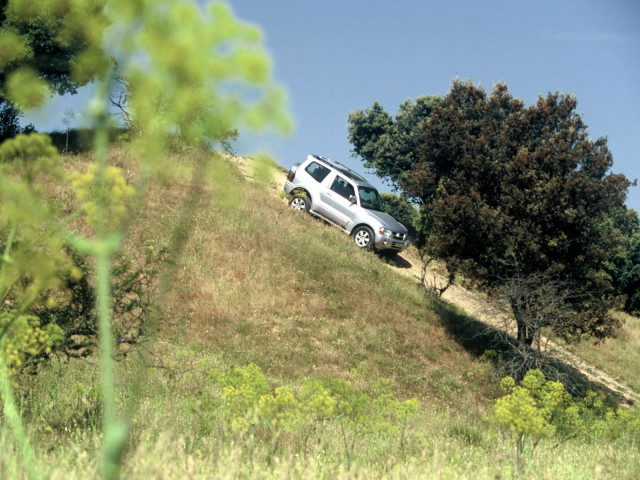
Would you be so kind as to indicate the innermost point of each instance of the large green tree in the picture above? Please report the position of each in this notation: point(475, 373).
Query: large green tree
point(520, 199)
point(47, 39)
point(389, 144)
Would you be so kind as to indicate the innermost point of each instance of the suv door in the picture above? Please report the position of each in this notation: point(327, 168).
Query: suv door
point(336, 201)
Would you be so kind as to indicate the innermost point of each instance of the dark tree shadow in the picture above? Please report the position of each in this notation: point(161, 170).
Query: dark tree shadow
point(478, 338)
point(393, 259)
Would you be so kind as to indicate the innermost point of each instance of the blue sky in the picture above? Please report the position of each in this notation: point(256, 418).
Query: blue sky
point(334, 57)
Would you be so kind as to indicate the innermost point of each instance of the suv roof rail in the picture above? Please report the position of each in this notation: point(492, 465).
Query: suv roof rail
point(343, 168)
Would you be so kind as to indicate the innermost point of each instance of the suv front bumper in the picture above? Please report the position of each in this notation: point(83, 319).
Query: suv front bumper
point(384, 242)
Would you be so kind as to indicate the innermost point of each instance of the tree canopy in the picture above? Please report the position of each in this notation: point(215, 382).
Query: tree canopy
point(519, 198)
point(47, 39)
point(627, 273)
point(389, 145)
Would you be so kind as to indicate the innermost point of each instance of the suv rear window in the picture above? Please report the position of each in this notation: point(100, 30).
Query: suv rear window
point(317, 171)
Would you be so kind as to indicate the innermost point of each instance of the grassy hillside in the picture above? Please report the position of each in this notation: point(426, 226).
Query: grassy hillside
point(258, 284)
point(618, 356)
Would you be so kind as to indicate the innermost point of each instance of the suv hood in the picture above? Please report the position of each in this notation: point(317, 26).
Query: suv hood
point(387, 221)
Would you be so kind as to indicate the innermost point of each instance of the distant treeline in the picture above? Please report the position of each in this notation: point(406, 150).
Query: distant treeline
point(79, 140)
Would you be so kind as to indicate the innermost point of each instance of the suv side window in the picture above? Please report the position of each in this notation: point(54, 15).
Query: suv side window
point(317, 171)
point(342, 187)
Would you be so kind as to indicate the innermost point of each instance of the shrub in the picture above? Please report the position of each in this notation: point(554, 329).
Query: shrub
point(251, 406)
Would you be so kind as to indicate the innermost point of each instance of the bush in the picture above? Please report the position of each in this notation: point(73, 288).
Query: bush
point(251, 407)
point(539, 408)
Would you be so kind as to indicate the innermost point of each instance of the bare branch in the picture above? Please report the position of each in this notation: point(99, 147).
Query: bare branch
point(120, 100)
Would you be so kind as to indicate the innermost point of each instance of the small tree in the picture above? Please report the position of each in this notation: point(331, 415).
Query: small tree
point(67, 119)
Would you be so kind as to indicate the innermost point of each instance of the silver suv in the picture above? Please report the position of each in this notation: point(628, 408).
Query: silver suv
point(339, 195)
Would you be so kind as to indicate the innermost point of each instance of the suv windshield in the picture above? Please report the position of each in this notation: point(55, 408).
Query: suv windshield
point(370, 199)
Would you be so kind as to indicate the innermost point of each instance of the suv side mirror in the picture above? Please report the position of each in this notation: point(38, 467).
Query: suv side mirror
point(352, 199)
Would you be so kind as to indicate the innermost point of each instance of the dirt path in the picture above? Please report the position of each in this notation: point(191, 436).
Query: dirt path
point(479, 306)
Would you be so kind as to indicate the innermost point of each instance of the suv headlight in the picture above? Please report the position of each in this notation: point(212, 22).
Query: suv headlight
point(385, 231)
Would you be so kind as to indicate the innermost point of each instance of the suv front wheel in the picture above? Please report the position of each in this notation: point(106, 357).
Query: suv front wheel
point(363, 236)
point(300, 202)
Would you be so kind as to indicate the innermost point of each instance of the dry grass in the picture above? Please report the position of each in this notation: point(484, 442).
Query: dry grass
point(262, 284)
point(257, 282)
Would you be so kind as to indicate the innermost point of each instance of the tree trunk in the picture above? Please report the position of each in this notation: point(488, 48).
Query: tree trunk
point(526, 333)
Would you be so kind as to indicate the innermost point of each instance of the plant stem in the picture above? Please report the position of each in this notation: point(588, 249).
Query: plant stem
point(106, 243)
point(15, 423)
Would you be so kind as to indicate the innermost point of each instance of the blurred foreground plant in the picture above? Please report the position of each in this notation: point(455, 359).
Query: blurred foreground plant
point(193, 74)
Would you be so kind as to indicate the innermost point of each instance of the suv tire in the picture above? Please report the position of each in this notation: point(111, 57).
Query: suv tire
point(300, 202)
point(363, 237)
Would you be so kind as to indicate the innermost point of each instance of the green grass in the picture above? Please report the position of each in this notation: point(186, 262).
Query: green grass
point(258, 283)
point(178, 431)
point(618, 356)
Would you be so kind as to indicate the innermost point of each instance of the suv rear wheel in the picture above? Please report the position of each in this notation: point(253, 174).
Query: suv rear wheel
point(300, 202)
point(363, 236)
